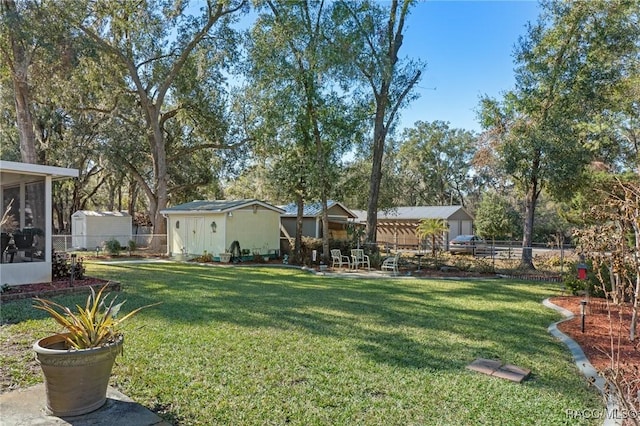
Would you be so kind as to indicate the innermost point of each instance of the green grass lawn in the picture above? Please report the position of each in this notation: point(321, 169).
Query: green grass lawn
point(261, 346)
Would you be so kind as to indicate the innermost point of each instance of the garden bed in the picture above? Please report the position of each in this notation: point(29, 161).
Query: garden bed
point(596, 340)
point(55, 288)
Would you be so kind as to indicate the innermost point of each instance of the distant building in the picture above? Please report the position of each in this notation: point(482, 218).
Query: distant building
point(397, 227)
point(339, 216)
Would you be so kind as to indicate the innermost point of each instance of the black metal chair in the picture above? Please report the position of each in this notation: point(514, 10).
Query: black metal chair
point(4, 244)
point(9, 248)
point(24, 242)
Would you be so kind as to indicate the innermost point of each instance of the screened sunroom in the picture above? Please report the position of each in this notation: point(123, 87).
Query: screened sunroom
point(27, 225)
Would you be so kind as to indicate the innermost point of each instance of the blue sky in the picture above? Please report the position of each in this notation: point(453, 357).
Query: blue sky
point(468, 47)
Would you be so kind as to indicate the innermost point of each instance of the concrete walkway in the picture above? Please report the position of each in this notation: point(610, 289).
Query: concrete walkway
point(26, 407)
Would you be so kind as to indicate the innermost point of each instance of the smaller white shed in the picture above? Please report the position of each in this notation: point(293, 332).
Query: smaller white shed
point(91, 229)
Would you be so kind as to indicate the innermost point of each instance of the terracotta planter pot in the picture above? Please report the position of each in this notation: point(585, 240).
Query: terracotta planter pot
point(75, 380)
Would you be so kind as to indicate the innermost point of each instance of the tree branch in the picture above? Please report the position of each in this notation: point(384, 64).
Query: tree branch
point(404, 93)
point(168, 115)
point(213, 145)
point(212, 18)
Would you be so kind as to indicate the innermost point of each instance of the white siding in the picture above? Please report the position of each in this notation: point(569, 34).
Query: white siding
point(92, 229)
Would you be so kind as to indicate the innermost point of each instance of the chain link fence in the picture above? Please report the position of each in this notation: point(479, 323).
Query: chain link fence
point(64, 243)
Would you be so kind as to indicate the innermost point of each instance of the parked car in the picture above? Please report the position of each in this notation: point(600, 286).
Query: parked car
point(469, 244)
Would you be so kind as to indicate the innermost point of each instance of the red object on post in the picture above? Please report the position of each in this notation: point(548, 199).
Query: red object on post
point(582, 271)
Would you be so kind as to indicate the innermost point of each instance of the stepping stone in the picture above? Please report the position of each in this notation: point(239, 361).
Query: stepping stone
point(486, 366)
point(495, 368)
point(512, 372)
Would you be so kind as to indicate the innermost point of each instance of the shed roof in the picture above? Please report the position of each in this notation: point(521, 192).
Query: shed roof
point(417, 213)
point(92, 213)
point(315, 209)
point(217, 206)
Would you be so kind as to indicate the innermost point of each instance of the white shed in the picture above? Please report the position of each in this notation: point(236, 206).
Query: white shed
point(91, 229)
point(213, 226)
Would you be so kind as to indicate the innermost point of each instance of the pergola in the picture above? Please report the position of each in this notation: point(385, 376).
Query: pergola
point(26, 244)
point(397, 227)
point(399, 233)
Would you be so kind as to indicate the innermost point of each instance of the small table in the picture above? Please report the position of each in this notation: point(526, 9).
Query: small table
point(419, 256)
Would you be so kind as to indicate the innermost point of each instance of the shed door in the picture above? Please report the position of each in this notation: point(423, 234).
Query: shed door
point(454, 228)
point(178, 241)
point(79, 230)
point(467, 227)
point(194, 230)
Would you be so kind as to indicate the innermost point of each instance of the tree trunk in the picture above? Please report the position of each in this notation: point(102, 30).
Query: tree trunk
point(527, 239)
point(634, 310)
point(375, 180)
point(120, 198)
point(321, 160)
point(59, 218)
point(297, 249)
point(112, 196)
point(325, 230)
point(160, 194)
point(24, 121)
point(133, 197)
point(433, 245)
point(531, 200)
point(635, 295)
point(19, 65)
point(385, 112)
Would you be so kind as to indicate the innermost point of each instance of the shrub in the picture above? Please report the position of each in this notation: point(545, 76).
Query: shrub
point(308, 245)
point(573, 285)
point(132, 245)
point(62, 266)
point(462, 264)
point(344, 246)
point(484, 266)
point(204, 258)
point(591, 285)
point(376, 259)
point(548, 261)
point(113, 247)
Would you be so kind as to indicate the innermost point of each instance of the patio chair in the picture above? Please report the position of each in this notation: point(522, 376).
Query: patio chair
point(391, 263)
point(359, 258)
point(339, 259)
